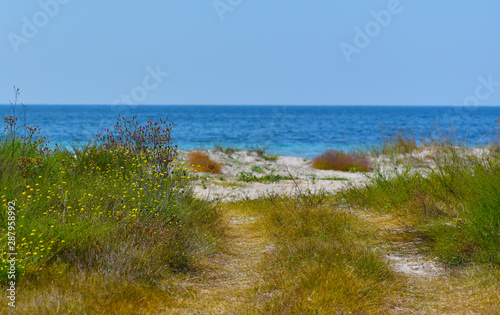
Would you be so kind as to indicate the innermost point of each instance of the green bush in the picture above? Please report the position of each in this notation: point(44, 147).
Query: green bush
point(121, 206)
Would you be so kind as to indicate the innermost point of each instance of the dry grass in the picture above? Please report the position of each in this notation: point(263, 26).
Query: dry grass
point(324, 263)
point(88, 292)
point(474, 290)
point(203, 163)
point(232, 278)
point(320, 263)
point(341, 161)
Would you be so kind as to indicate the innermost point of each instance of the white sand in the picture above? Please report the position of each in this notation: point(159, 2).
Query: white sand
point(227, 187)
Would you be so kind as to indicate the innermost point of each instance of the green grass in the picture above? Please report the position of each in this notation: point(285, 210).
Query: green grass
point(454, 205)
point(261, 151)
point(109, 204)
point(228, 150)
point(257, 169)
point(334, 178)
point(268, 178)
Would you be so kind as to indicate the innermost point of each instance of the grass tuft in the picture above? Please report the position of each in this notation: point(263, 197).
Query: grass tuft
point(400, 142)
point(228, 150)
point(261, 151)
point(268, 178)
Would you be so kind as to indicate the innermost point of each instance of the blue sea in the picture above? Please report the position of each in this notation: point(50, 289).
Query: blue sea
point(303, 131)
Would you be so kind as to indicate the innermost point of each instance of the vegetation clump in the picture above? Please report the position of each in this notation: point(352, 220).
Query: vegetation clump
point(261, 151)
point(201, 162)
point(121, 207)
point(269, 178)
point(341, 161)
point(152, 139)
point(228, 150)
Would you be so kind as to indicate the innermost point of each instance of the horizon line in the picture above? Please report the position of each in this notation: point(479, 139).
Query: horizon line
point(138, 105)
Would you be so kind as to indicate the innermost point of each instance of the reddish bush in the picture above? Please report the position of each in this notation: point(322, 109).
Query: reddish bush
point(341, 161)
point(203, 163)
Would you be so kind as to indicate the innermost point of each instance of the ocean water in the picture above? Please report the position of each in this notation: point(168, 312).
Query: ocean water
point(286, 130)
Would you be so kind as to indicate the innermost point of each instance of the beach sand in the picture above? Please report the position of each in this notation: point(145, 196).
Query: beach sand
point(227, 186)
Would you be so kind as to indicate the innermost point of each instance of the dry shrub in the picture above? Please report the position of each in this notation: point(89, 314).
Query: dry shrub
point(203, 163)
point(341, 161)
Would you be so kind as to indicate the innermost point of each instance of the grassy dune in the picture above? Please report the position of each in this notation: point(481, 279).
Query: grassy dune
point(114, 227)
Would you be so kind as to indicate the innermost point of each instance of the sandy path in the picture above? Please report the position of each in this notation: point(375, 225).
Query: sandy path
point(231, 285)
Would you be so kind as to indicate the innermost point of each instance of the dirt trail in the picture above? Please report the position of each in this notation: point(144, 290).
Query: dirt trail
point(233, 283)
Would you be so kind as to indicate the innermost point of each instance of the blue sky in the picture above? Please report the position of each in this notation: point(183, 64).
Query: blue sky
point(287, 52)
